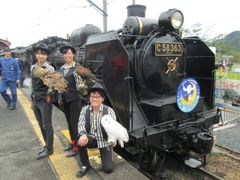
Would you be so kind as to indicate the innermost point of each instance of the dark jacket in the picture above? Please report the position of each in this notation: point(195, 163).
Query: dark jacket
point(72, 94)
point(39, 89)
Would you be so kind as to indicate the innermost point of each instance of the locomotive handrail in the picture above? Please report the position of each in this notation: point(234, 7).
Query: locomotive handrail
point(131, 107)
point(129, 35)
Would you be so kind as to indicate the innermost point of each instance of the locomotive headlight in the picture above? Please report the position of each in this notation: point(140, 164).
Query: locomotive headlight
point(177, 19)
point(171, 19)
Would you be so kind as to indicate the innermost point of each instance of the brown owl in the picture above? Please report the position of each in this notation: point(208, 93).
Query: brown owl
point(85, 73)
point(53, 79)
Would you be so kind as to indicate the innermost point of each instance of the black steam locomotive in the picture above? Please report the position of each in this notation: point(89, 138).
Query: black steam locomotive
point(160, 85)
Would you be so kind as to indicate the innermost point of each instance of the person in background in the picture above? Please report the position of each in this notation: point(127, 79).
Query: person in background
point(70, 100)
point(20, 62)
point(41, 100)
point(0, 70)
point(10, 78)
point(91, 133)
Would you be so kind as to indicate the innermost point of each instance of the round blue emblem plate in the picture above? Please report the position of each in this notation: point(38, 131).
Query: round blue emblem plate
point(188, 94)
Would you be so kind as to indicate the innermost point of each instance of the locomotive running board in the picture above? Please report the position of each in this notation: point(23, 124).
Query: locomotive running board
point(193, 163)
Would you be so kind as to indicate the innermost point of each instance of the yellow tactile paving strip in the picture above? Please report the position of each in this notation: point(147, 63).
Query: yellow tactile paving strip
point(91, 152)
point(65, 168)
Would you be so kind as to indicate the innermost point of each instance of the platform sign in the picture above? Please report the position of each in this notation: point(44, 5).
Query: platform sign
point(188, 94)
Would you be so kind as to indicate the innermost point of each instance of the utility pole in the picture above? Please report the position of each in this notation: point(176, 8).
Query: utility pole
point(105, 16)
point(133, 2)
point(103, 12)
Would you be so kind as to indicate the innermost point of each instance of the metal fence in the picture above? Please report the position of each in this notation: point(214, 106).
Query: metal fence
point(229, 114)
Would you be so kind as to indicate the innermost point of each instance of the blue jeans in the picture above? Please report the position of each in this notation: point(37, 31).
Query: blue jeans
point(13, 88)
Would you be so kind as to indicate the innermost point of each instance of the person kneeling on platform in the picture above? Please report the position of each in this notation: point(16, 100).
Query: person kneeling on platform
point(91, 133)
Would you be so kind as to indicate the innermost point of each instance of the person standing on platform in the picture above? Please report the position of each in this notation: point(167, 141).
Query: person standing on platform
point(91, 132)
point(10, 78)
point(71, 100)
point(20, 62)
point(41, 100)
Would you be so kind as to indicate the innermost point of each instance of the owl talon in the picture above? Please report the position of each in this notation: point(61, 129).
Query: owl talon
point(111, 144)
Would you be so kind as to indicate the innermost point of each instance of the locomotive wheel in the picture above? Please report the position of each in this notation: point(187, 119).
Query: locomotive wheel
point(148, 161)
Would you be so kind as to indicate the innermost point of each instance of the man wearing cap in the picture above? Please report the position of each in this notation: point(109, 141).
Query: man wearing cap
point(91, 133)
point(10, 76)
point(41, 101)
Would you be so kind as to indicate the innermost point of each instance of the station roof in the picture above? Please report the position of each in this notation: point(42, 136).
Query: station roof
point(5, 42)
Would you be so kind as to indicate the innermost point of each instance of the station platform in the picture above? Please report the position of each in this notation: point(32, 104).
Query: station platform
point(21, 139)
point(227, 132)
point(228, 136)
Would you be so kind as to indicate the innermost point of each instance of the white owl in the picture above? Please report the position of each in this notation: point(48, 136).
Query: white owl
point(115, 131)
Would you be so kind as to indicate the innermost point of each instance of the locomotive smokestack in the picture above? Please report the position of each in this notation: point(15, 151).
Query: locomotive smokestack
point(136, 10)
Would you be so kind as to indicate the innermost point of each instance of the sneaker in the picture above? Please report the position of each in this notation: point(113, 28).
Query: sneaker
point(68, 147)
point(43, 149)
point(44, 154)
point(71, 153)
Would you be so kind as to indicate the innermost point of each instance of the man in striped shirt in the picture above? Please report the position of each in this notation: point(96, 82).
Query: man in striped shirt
point(91, 133)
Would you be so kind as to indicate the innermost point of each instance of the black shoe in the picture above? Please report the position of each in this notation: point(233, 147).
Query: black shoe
point(71, 153)
point(43, 149)
point(8, 105)
point(44, 154)
point(68, 147)
point(12, 107)
point(82, 171)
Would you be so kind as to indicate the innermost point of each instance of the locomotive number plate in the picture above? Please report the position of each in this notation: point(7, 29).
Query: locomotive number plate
point(168, 49)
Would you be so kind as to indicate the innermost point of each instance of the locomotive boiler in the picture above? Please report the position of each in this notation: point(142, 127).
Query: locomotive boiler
point(160, 85)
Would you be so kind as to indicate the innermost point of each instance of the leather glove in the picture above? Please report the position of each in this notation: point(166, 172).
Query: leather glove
point(48, 98)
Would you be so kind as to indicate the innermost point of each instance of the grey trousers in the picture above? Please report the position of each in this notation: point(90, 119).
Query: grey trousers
point(43, 114)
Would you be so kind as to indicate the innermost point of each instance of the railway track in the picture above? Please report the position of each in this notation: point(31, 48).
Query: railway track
point(228, 151)
point(224, 163)
point(209, 174)
point(221, 165)
point(175, 169)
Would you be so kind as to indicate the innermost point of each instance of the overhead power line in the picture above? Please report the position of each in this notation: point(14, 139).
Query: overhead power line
point(97, 8)
point(47, 19)
point(102, 11)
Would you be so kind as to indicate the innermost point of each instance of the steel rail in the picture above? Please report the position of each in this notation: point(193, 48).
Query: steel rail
point(201, 169)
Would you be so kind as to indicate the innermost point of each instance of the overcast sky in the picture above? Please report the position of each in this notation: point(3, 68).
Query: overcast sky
point(24, 22)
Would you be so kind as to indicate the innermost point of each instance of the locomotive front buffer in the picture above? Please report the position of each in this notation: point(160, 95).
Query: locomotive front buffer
point(180, 137)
